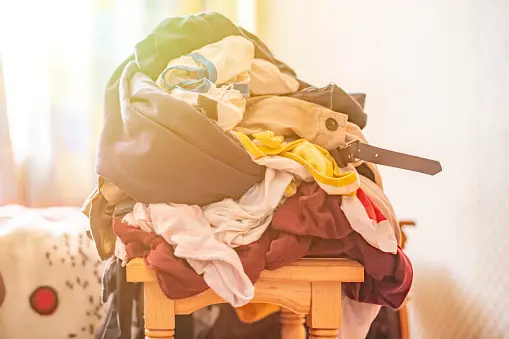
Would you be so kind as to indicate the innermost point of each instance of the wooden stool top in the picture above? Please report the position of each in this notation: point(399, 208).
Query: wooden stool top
point(304, 270)
point(295, 280)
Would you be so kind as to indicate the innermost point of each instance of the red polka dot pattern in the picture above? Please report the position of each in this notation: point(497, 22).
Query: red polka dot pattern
point(44, 300)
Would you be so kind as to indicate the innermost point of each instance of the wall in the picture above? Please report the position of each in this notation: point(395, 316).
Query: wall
point(436, 77)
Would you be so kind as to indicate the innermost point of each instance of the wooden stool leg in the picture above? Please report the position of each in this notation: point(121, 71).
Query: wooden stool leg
point(159, 313)
point(403, 320)
point(292, 325)
point(324, 320)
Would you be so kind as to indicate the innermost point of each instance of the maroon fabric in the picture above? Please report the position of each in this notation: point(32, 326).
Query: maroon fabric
point(176, 278)
point(312, 212)
point(388, 277)
point(311, 223)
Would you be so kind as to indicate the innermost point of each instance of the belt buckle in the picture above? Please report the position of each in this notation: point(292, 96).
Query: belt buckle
point(346, 154)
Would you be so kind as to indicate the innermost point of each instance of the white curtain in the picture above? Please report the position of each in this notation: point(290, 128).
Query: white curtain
point(57, 56)
point(8, 182)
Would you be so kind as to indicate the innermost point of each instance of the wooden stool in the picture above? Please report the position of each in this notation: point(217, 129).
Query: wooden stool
point(309, 287)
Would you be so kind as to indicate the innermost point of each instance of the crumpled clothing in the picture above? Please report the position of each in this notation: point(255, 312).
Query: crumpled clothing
point(199, 79)
point(224, 105)
point(123, 158)
point(131, 168)
point(186, 229)
point(176, 278)
point(266, 78)
point(177, 36)
point(242, 222)
point(221, 62)
point(370, 222)
point(388, 277)
point(380, 200)
point(238, 223)
point(105, 202)
point(159, 147)
point(306, 161)
point(195, 75)
point(312, 223)
point(95, 208)
point(367, 220)
point(293, 119)
point(336, 99)
point(271, 151)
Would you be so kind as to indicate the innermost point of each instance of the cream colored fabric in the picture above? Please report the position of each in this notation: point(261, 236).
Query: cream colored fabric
point(296, 118)
point(186, 229)
point(376, 230)
point(228, 61)
point(266, 78)
point(202, 72)
point(230, 103)
point(293, 118)
point(230, 57)
point(243, 222)
point(377, 195)
point(105, 201)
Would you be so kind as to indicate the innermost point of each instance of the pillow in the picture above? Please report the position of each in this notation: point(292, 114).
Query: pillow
point(50, 274)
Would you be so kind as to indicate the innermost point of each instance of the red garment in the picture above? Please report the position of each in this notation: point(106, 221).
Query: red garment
point(176, 278)
point(388, 277)
point(311, 223)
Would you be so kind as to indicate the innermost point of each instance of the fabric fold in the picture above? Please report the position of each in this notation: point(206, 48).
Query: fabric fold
point(310, 162)
point(306, 161)
point(186, 229)
point(310, 223)
point(159, 147)
point(335, 98)
point(294, 118)
point(243, 222)
point(201, 73)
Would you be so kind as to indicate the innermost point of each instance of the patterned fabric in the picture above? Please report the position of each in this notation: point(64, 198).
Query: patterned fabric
point(50, 272)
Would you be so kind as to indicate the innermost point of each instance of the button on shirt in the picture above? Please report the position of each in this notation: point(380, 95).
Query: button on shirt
point(292, 117)
point(331, 124)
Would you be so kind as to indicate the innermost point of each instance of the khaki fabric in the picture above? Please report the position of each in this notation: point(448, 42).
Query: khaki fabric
point(106, 201)
point(296, 118)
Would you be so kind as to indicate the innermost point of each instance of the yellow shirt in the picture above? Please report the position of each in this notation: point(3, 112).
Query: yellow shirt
point(302, 158)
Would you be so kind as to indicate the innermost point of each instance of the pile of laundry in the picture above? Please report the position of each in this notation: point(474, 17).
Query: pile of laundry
point(216, 162)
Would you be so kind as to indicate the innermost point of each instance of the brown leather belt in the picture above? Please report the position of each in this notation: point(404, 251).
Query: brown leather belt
point(356, 151)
